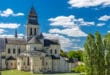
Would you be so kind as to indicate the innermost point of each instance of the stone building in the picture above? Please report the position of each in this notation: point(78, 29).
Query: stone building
point(35, 53)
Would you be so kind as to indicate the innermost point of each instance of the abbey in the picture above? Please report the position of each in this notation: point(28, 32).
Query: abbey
point(33, 53)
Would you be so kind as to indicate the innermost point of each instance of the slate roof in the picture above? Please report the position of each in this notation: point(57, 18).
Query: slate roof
point(2, 44)
point(32, 17)
point(48, 42)
point(15, 41)
point(34, 40)
point(11, 58)
point(54, 57)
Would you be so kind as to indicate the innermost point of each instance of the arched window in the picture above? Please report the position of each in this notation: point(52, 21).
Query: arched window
point(30, 31)
point(19, 51)
point(28, 61)
point(55, 51)
point(34, 31)
point(14, 51)
point(9, 51)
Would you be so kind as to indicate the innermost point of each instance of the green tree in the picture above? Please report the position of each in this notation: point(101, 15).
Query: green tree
point(100, 54)
point(63, 54)
point(107, 46)
point(75, 54)
point(94, 55)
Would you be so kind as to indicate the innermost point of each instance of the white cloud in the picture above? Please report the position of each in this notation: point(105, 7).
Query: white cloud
point(100, 24)
point(62, 21)
point(9, 12)
point(88, 3)
point(70, 26)
point(2, 31)
point(11, 36)
point(108, 31)
point(9, 25)
point(73, 32)
point(69, 21)
point(104, 18)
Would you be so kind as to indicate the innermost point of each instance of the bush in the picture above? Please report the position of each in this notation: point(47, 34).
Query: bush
point(79, 69)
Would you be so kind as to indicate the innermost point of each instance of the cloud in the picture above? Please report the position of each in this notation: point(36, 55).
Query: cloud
point(11, 36)
point(108, 31)
point(2, 31)
point(100, 24)
point(69, 21)
point(70, 25)
point(9, 25)
point(88, 3)
point(104, 18)
point(9, 12)
point(72, 32)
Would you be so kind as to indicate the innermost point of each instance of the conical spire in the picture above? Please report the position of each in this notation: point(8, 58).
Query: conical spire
point(32, 12)
point(32, 17)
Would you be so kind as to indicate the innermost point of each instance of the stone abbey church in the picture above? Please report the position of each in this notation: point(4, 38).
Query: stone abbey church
point(33, 53)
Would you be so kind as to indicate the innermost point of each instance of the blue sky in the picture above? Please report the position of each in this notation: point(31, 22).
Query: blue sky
point(67, 20)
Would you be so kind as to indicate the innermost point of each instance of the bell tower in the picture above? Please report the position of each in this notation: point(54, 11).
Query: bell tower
point(32, 27)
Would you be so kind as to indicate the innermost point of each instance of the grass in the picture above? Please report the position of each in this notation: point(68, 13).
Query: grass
point(16, 72)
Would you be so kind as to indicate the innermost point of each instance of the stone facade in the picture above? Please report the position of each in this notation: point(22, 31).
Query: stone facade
point(35, 53)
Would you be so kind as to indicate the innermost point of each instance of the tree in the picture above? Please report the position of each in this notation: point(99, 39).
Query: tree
point(89, 55)
point(75, 54)
point(63, 54)
point(107, 48)
point(94, 55)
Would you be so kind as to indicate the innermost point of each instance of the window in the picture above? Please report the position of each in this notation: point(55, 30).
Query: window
point(55, 51)
point(30, 31)
point(28, 61)
point(34, 31)
point(9, 50)
point(11, 64)
point(51, 51)
point(14, 51)
point(46, 63)
point(18, 63)
point(34, 48)
point(19, 51)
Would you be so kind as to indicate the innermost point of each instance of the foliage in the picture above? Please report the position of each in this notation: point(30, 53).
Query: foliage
point(79, 69)
point(63, 54)
point(75, 54)
point(107, 48)
point(94, 55)
point(72, 54)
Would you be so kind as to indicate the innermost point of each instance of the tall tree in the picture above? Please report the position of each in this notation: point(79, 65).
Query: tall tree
point(89, 55)
point(107, 52)
point(94, 55)
point(100, 53)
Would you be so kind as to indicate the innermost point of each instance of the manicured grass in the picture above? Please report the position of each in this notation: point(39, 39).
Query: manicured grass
point(16, 72)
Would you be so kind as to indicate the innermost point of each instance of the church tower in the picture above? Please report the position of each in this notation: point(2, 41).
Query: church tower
point(32, 27)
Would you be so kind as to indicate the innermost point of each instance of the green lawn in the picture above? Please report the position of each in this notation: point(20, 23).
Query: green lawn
point(15, 72)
